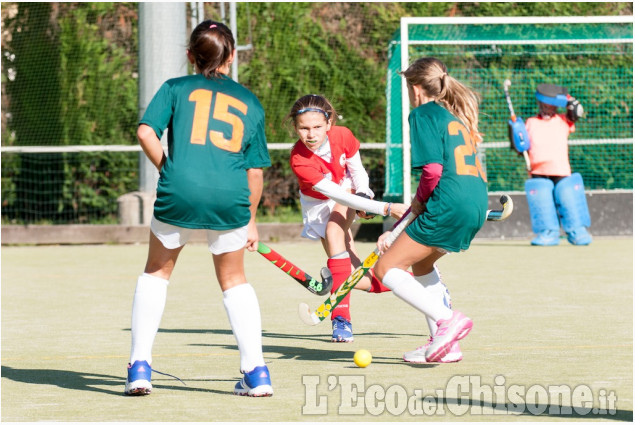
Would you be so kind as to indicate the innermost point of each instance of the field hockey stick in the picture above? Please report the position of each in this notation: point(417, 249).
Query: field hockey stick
point(322, 312)
point(522, 144)
point(314, 286)
point(502, 214)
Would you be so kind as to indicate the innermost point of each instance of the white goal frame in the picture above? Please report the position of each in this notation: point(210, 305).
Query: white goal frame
point(405, 60)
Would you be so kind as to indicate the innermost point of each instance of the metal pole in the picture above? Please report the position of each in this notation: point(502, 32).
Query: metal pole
point(162, 37)
point(234, 28)
point(194, 18)
point(197, 13)
point(405, 109)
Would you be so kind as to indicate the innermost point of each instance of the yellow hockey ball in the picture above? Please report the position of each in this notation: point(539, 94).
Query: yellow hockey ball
point(362, 358)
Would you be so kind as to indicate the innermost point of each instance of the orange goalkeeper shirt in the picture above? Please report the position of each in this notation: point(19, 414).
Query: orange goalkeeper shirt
point(549, 149)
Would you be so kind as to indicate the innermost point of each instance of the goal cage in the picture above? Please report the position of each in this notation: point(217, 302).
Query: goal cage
point(591, 56)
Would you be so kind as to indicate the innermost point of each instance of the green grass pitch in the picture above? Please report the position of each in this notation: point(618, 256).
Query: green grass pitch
point(545, 318)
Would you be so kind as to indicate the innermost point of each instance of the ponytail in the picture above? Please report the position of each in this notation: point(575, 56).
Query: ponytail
point(462, 102)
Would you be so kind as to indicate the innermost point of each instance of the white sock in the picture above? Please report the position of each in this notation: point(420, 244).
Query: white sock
point(147, 309)
point(436, 289)
point(243, 311)
point(343, 254)
point(406, 287)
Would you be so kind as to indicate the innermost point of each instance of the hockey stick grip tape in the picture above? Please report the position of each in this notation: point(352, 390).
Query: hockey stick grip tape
point(403, 217)
point(403, 222)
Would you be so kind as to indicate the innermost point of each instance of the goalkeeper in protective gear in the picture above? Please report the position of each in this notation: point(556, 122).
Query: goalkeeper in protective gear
point(555, 196)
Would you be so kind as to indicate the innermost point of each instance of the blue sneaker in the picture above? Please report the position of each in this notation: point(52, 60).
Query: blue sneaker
point(547, 238)
point(256, 383)
point(342, 330)
point(138, 381)
point(579, 236)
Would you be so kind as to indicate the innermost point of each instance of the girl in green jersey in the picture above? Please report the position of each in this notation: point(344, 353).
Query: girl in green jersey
point(450, 204)
point(211, 179)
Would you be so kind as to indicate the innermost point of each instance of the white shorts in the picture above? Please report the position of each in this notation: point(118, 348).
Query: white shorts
point(219, 241)
point(316, 213)
point(315, 216)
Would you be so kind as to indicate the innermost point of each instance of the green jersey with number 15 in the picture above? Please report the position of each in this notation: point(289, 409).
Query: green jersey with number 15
point(216, 131)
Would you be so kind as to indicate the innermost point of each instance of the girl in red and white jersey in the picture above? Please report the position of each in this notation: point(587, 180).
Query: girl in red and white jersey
point(333, 185)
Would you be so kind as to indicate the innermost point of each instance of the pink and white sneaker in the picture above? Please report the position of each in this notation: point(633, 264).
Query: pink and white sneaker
point(419, 355)
point(449, 331)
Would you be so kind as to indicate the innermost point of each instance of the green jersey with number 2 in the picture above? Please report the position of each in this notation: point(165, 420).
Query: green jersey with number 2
point(457, 207)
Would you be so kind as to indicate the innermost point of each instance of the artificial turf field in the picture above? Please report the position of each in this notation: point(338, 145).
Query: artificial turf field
point(545, 319)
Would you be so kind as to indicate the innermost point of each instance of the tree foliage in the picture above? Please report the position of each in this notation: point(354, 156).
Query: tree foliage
point(73, 85)
point(69, 77)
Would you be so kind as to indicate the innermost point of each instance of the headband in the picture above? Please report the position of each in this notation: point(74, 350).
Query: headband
point(303, 110)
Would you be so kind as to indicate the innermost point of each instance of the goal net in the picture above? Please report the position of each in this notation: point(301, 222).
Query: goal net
point(591, 56)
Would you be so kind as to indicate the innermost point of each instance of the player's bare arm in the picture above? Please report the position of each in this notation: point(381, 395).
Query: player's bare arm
point(151, 145)
point(255, 181)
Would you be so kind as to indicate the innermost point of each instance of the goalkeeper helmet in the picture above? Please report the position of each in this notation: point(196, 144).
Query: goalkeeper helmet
point(552, 95)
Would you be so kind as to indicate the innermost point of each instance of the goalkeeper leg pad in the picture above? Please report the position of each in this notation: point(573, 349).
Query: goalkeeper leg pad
point(542, 211)
point(573, 209)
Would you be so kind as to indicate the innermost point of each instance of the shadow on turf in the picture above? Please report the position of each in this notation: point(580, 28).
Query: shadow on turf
point(302, 353)
point(295, 353)
point(318, 355)
point(90, 381)
point(618, 415)
point(323, 337)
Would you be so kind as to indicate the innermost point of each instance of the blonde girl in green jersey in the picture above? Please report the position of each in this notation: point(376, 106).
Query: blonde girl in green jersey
point(450, 204)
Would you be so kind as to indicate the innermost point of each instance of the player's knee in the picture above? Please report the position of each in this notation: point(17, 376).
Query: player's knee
point(229, 284)
point(159, 268)
point(230, 277)
point(380, 270)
